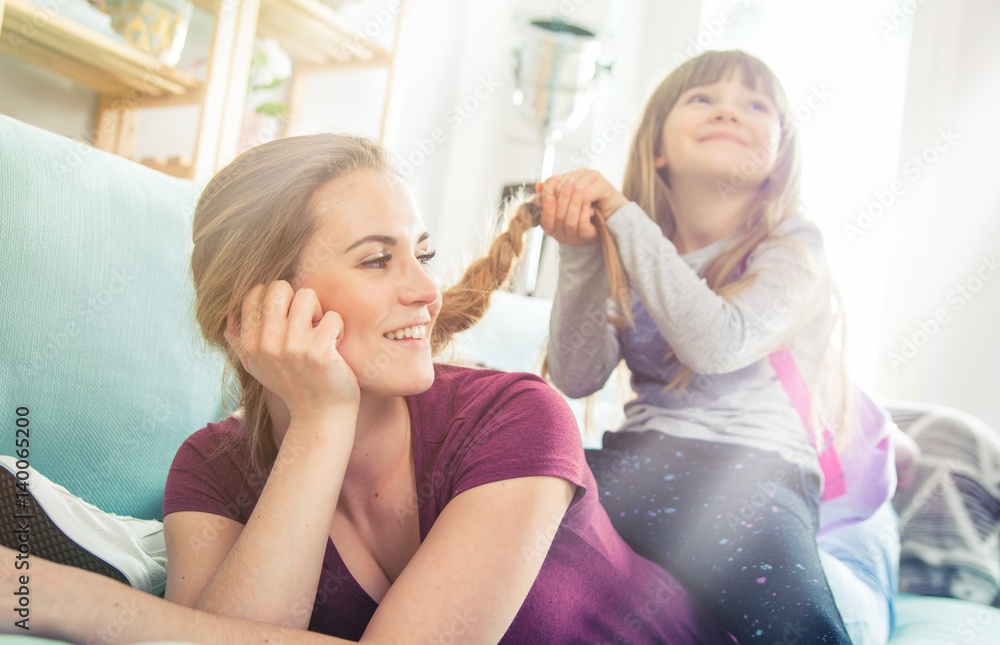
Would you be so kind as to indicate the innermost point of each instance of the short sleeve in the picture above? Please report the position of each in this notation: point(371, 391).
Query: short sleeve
point(210, 474)
point(517, 426)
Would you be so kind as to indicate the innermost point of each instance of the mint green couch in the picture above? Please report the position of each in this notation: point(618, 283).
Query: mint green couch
point(97, 339)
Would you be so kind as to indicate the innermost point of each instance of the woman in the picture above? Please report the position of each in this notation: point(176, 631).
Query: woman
point(363, 491)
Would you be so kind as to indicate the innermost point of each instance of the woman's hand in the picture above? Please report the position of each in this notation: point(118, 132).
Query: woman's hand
point(570, 200)
point(288, 344)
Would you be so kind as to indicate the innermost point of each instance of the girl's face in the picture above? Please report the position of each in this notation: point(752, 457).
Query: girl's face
point(368, 262)
point(724, 132)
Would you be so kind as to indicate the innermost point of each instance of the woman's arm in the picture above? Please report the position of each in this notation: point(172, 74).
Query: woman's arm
point(67, 603)
point(473, 571)
point(269, 570)
point(468, 579)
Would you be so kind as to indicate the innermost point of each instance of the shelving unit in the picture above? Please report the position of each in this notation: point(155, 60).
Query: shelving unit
point(315, 36)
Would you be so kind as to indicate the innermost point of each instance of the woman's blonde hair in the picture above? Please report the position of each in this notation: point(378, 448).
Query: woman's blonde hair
point(253, 221)
point(778, 199)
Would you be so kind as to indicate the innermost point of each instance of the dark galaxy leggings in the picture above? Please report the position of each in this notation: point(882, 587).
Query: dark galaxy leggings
point(736, 525)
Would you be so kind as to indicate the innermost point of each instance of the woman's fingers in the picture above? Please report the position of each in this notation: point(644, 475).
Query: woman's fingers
point(277, 299)
point(304, 313)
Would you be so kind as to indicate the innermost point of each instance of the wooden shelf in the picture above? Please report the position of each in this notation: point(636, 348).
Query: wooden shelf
point(314, 34)
point(40, 37)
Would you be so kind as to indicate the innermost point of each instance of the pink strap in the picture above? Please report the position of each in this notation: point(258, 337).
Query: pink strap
point(795, 386)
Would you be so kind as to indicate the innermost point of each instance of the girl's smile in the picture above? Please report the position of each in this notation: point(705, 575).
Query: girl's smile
point(716, 130)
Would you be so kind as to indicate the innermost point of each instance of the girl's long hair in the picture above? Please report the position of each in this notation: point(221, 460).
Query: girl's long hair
point(778, 199)
point(253, 221)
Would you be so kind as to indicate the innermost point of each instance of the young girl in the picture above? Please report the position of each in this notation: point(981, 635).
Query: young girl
point(365, 492)
point(727, 330)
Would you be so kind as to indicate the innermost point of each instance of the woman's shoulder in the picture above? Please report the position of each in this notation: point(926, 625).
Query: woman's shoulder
point(216, 434)
point(468, 386)
point(489, 394)
point(211, 473)
point(461, 377)
point(217, 441)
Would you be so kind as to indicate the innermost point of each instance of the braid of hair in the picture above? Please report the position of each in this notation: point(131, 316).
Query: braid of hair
point(465, 303)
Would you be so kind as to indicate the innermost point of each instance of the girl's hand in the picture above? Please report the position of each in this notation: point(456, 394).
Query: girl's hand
point(570, 200)
point(288, 344)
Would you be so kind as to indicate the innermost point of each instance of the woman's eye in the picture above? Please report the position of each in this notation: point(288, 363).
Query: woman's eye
point(426, 257)
point(378, 262)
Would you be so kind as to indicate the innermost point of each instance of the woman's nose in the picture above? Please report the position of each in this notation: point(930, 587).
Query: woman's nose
point(419, 287)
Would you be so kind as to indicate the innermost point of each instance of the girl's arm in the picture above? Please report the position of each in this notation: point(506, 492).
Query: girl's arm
point(583, 347)
point(709, 333)
point(269, 570)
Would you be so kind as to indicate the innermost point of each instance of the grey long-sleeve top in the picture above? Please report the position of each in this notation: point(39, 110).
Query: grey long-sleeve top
point(735, 395)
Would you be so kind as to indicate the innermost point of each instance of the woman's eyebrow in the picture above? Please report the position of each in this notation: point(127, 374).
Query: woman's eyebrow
point(384, 239)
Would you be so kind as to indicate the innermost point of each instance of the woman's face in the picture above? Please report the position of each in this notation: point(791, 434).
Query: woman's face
point(724, 131)
point(368, 263)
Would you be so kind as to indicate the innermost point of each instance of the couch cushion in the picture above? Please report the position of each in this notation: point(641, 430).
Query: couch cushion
point(513, 335)
point(97, 336)
point(926, 620)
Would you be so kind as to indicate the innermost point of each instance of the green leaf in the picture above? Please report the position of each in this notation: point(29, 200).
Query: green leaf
point(273, 109)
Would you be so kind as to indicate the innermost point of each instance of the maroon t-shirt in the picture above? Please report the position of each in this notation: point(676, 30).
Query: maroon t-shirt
point(473, 427)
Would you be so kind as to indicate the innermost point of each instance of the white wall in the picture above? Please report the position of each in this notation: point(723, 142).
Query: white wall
point(46, 100)
point(494, 146)
point(950, 236)
point(945, 229)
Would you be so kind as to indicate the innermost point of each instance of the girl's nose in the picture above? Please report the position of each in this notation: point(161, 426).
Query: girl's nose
point(724, 111)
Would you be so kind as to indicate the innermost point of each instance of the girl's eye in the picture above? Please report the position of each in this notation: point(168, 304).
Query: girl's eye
point(378, 262)
point(760, 105)
point(699, 98)
point(426, 257)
